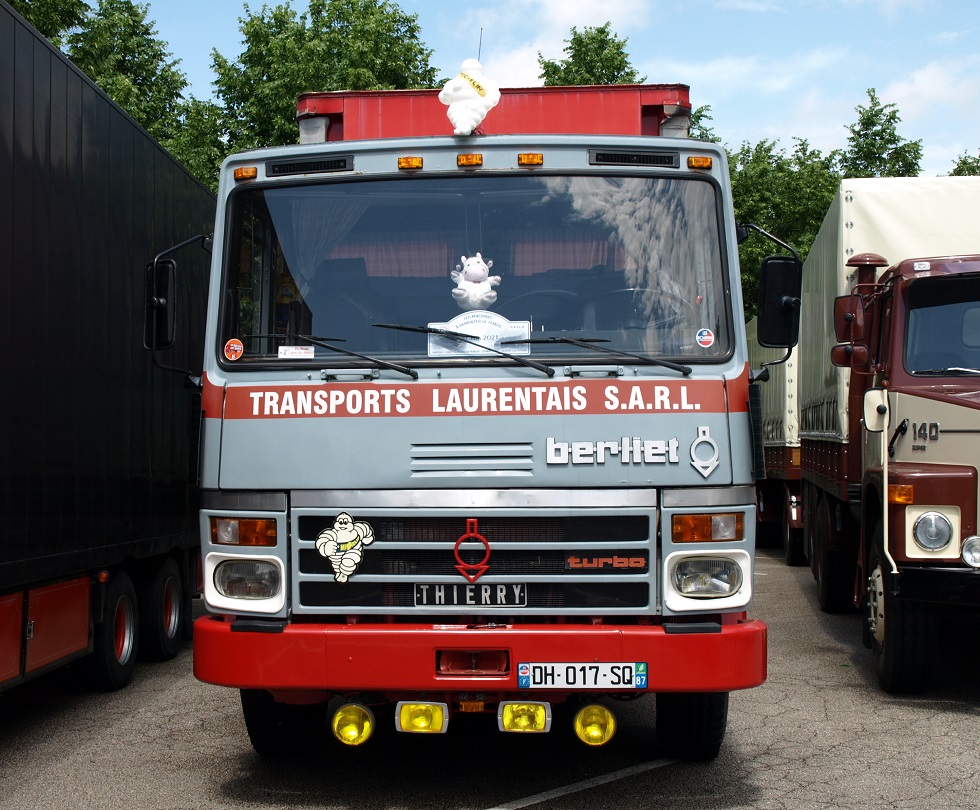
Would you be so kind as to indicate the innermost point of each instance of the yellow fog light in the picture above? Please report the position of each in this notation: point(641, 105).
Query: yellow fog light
point(595, 725)
point(523, 716)
point(352, 723)
point(422, 718)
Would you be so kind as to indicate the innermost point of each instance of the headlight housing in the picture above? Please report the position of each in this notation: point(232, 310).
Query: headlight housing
point(713, 580)
point(244, 584)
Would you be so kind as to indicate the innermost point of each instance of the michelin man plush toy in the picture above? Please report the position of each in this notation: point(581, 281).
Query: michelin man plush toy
point(470, 96)
point(474, 283)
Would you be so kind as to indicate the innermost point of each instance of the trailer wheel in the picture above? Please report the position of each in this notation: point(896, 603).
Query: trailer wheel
point(279, 730)
point(116, 638)
point(691, 725)
point(162, 609)
point(901, 632)
point(793, 550)
point(832, 568)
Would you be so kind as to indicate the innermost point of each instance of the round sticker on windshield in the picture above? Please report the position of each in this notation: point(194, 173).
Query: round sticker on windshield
point(705, 338)
point(234, 349)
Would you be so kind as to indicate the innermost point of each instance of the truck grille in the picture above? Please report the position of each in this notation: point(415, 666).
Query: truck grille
point(574, 562)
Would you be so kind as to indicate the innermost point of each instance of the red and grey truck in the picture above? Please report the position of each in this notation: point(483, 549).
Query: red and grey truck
point(476, 421)
point(99, 543)
point(889, 428)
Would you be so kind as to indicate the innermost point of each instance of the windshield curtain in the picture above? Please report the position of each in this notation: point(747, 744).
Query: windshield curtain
point(943, 325)
point(634, 262)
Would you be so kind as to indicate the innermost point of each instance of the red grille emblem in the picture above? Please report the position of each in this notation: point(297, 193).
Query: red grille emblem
point(472, 571)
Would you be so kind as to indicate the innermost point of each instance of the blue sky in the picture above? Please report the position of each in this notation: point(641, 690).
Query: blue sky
point(769, 69)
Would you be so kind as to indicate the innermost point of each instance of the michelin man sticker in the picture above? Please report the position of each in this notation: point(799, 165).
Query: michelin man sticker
point(343, 545)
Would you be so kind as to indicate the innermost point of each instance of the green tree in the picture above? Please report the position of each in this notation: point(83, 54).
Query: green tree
point(119, 50)
point(874, 147)
point(53, 18)
point(700, 130)
point(335, 45)
point(198, 141)
point(784, 194)
point(594, 56)
point(966, 165)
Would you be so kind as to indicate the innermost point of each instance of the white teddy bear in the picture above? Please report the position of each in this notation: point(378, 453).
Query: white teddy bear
point(474, 282)
point(470, 96)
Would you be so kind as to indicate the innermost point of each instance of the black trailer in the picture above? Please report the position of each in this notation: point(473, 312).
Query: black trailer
point(98, 537)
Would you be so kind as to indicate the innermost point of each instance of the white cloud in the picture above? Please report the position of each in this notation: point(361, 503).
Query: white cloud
point(948, 37)
point(939, 104)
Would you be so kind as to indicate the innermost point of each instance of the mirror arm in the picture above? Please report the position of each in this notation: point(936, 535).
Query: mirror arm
point(742, 231)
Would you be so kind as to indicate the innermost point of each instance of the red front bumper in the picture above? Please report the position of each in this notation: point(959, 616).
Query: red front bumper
point(402, 657)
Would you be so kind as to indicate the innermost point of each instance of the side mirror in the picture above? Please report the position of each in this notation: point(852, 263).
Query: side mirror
point(875, 410)
point(849, 318)
point(850, 356)
point(780, 285)
point(160, 315)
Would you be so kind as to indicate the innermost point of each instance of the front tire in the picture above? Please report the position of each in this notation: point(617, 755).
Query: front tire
point(278, 729)
point(901, 632)
point(691, 725)
point(116, 638)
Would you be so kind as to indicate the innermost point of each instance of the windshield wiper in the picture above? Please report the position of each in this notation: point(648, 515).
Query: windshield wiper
point(464, 338)
point(589, 343)
point(410, 372)
point(950, 370)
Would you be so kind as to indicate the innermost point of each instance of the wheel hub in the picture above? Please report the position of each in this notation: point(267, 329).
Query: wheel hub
point(876, 605)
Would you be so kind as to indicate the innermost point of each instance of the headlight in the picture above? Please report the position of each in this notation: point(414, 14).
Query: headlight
point(706, 577)
point(971, 551)
point(932, 531)
point(247, 579)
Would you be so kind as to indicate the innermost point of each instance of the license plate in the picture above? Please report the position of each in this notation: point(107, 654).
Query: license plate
point(632, 675)
point(497, 595)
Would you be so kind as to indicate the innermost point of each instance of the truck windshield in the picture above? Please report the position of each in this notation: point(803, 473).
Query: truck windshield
point(943, 334)
point(629, 263)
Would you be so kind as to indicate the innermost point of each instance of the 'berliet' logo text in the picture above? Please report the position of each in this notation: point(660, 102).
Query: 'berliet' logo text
point(628, 450)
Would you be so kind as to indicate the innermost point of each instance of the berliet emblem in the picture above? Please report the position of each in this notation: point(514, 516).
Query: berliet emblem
point(472, 571)
point(704, 452)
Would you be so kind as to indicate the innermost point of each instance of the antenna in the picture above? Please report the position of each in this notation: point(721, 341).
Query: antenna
point(479, 48)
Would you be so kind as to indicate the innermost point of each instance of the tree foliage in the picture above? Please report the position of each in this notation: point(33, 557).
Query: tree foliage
point(198, 141)
point(784, 194)
point(594, 56)
point(334, 45)
point(120, 51)
point(874, 147)
point(700, 128)
point(966, 165)
point(53, 18)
